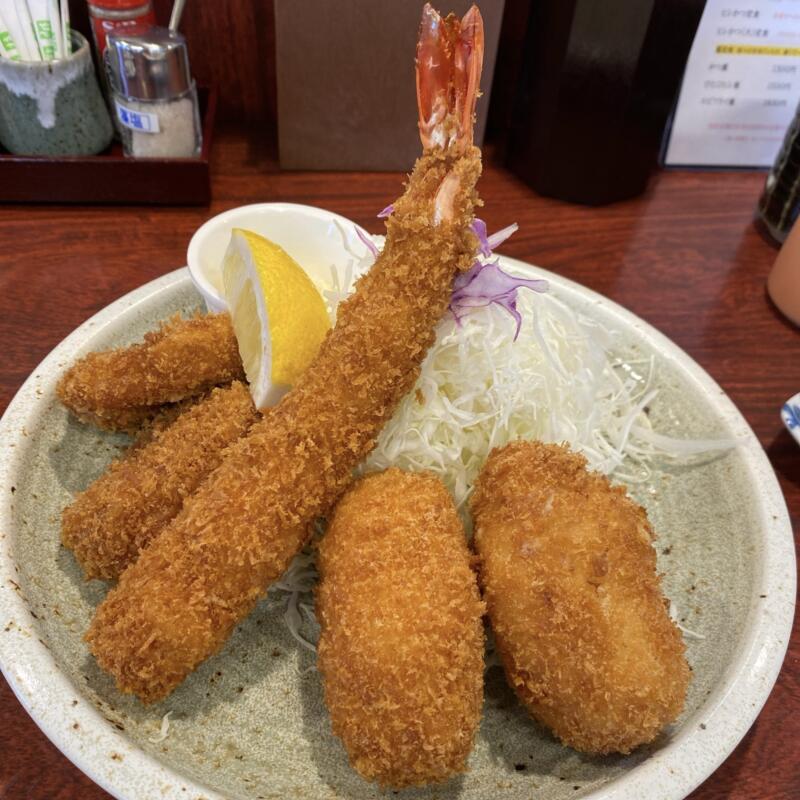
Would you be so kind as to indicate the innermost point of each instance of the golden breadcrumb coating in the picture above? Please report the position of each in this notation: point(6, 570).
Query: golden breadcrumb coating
point(183, 358)
point(178, 603)
point(569, 577)
point(139, 422)
point(122, 511)
point(401, 643)
point(131, 420)
point(160, 418)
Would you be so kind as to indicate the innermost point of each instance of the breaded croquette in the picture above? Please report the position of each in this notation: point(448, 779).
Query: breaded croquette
point(185, 357)
point(401, 643)
point(122, 511)
point(569, 576)
point(178, 603)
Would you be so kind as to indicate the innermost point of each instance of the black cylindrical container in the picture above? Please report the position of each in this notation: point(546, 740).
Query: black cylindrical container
point(599, 80)
point(779, 204)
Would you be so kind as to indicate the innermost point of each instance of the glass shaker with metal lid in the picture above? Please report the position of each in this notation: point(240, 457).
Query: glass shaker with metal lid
point(153, 93)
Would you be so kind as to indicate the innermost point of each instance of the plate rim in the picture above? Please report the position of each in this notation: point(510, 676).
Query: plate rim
point(727, 713)
point(45, 687)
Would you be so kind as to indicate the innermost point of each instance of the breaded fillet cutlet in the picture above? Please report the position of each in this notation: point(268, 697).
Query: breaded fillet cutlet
point(117, 389)
point(133, 420)
point(401, 644)
point(125, 508)
point(569, 577)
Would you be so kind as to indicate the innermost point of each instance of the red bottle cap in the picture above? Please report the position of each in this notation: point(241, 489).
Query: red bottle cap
point(119, 5)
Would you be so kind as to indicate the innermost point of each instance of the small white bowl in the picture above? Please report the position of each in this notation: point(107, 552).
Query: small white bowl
point(315, 238)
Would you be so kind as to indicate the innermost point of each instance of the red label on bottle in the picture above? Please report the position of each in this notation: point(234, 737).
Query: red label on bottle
point(102, 27)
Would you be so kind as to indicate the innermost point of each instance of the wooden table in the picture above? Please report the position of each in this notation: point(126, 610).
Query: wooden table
point(685, 257)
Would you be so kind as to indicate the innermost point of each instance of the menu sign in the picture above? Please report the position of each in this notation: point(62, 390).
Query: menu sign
point(741, 86)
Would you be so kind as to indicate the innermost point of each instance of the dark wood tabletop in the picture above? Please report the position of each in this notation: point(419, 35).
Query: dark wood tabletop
point(685, 257)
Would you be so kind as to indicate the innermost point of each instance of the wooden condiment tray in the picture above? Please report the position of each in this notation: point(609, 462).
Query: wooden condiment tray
point(111, 177)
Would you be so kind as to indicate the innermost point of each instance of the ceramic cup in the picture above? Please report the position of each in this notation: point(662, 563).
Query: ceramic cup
point(53, 108)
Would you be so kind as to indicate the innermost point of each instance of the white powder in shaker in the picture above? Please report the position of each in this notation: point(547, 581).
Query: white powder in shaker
point(176, 138)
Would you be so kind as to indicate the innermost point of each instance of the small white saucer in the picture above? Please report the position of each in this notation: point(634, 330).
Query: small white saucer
point(315, 238)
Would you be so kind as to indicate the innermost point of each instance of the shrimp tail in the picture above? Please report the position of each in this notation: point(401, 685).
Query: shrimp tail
point(448, 68)
point(468, 67)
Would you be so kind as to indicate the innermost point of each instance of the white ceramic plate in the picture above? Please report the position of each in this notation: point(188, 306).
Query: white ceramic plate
point(250, 723)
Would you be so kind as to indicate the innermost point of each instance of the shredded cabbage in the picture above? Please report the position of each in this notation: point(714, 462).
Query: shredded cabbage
point(294, 592)
point(559, 380)
point(163, 730)
point(674, 615)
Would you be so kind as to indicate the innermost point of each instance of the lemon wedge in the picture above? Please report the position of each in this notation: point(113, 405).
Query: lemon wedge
point(278, 315)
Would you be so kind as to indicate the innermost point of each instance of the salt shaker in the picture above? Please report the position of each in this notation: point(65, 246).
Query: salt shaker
point(153, 94)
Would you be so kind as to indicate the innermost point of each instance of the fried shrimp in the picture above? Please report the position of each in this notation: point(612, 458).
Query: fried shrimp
point(120, 389)
point(122, 511)
point(569, 577)
point(401, 643)
point(180, 601)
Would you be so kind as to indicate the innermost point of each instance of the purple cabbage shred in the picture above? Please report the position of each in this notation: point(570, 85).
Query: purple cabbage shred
point(485, 283)
point(367, 241)
point(479, 229)
point(496, 239)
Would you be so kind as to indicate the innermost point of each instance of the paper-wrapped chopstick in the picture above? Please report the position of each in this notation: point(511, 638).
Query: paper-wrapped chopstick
point(46, 20)
point(34, 30)
point(8, 46)
point(65, 27)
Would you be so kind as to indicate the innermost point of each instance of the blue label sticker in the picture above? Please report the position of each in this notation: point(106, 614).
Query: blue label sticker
point(140, 121)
